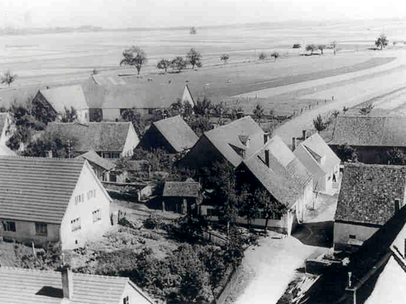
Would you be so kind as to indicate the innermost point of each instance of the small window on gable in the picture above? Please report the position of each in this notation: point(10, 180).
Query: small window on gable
point(126, 300)
point(75, 224)
point(91, 194)
point(79, 198)
point(353, 237)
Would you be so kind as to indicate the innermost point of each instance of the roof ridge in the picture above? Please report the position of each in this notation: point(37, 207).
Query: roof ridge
point(53, 159)
point(229, 124)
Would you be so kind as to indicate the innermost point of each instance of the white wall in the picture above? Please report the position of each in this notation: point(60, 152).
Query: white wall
point(342, 233)
point(83, 115)
point(134, 295)
point(89, 230)
point(131, 142)
point(111, 114)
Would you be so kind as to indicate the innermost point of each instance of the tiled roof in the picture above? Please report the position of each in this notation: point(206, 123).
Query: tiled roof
point(37, 189)
point(368, 193)
point(65, 97)
point(26, 286)
point(224, 137)
point(93, 157)
point(97, 136)
point(6, 151)
point(318, 149)
point(369, 131)
point(285, 178)
point(177, 132)
point(112, 91)
point(181, 189)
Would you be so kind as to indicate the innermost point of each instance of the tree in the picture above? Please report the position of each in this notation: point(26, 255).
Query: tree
point(345, 109)
point(8, 78)
point(262, 56)
point(70, 115)
point(382, 41)
point(200, 124)
point(163, 64)
point(311, 48)
point(202, 106)
point(297, 46)
point(258, 112)
point(225, 58)
point(396, 156)
point(193, 31)
point(220, 109)
point(275, 55)
point(250, 206)
point(271, 207)
point(321, 47)
point(134, 56)
point(365, 110)
point(215, 267)
point(319, 124)
point(178, 64)
point(135, 118)
point(194, 58)
point(346, 153)
point(334, 46)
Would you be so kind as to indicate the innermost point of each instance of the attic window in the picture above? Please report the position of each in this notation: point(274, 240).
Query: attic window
point(353, 237)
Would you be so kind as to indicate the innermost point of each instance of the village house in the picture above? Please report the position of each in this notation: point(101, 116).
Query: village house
point(30, 286)
point(369, 196)
point(181, 197)
point(102, 167)
point(171, 134)
point(5, 132)
point(110, 94)
point(107, 139)
point(52, 200)
point(321, 162)
point(371, 136)
point(232, 143)
point(60, 99)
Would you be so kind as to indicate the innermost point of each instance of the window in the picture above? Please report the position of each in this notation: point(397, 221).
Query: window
point(9, 226)
point(75, 224)
point(79, 198)
point(126, 300)
point(96, 215)
point(113, 178)
point(353, 237)
point(115, 155)
point(150, 111)
point(106, 155)
point(211, 212)
point(91, 193)
point(41, 229)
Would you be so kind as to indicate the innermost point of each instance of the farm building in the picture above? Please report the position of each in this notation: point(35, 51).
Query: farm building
point(232, 142)
point(111, 94)
point(30, 286)
point(171, 134)
point(371, 136)
point(101, 166)
point(181, 197)
point(5, 132)
point(52, 200)
point(108, 139)
point(369, 196)
point(321, 161)
point(276, 169)
point(61, 98)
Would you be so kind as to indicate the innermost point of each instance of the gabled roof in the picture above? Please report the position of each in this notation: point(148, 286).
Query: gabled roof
point(97, 136)
point(37, 189)
point(369, 131)
point(177, 132)
point(94, 158)
point(368, 193)
point(227, 136)
point(65, 97)
point(29, 286)
point(318, 149)
point(181, 189)
point(6, 151)
point(285, 177)
point(108, 90)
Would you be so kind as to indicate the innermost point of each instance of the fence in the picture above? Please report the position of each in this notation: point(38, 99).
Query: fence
point(215, 238)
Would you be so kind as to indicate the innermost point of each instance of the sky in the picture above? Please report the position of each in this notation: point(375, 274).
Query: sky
point(168, 13)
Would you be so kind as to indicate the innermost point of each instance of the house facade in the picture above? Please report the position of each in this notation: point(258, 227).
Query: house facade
point(102, 167)
point(107, 139)
point(321, 161)
point(369, 196)
point(54, 287)
point(52, 200)
point(61, 98)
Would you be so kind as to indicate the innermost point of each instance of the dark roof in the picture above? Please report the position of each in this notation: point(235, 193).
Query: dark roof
point(368, 193)
point(97, 136)
point(37, 189)
point(233, 136)
point(94, 158)
point(285, 178)
point(181, 189)
point(177, 132)
point(369, 131)
point(29, 286)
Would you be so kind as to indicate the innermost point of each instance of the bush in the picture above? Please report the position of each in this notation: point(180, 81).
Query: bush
point(297, 46)
point(153, 222)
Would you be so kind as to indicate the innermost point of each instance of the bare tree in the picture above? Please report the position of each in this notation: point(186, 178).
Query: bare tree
point(193, 31)
point(8, 78)
point(225, 58)
point(134, 56)
point(275, 55)
point(262, 56)
point(334, 46)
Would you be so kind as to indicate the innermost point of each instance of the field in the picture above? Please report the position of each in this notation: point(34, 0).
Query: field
point(293, 84)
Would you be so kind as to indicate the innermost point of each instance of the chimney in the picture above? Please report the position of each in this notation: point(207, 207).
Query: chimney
point(267, 157)
point(247, 144)
point(265, 138)
point(50, 154)
point(67, 282)
point(304, 134)
point(397, 205)
point(349, 279)
point(293, 144)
